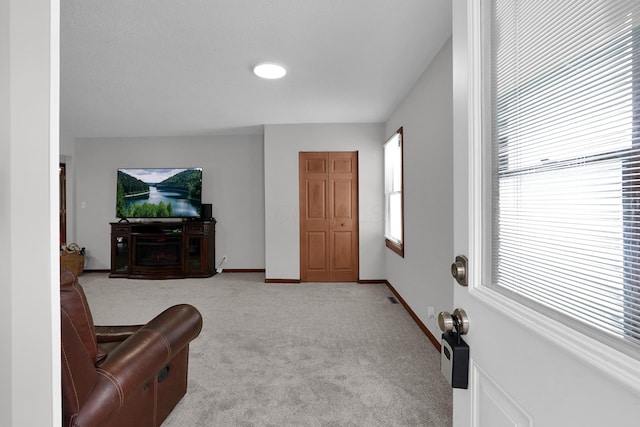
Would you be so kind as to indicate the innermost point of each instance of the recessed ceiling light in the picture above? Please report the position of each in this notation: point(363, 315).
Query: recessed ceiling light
point(269, 70)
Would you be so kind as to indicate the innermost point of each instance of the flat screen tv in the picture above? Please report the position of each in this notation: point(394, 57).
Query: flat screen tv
point(159, 193)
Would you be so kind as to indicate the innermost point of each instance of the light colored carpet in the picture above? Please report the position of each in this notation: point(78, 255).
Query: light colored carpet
point(311, 354)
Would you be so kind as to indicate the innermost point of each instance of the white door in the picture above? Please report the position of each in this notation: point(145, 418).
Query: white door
point(525, 369)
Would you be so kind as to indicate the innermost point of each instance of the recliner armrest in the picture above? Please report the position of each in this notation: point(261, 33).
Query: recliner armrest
point(138, 359)
point(115, 333)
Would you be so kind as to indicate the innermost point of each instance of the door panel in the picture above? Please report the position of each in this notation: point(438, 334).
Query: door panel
point(342, 250)
point(342, 200)
point(316, 199)
point(317, 259)
point(343, 174)
point(316, 165)
point(314, 217)
point(328, 208)
point(526, 369)
point(498, 408)
point(341, 164)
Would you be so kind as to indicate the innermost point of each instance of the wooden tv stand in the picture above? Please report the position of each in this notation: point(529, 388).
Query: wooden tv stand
point(163, 250)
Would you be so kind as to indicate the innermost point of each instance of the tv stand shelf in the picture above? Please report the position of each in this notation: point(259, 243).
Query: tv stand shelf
point(163, 250)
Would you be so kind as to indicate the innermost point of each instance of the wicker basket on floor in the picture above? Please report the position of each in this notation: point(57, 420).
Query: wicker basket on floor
point(72, 261)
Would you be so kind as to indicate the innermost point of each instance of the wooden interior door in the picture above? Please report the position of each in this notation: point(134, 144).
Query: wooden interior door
point(62, 171)
point(329, 217)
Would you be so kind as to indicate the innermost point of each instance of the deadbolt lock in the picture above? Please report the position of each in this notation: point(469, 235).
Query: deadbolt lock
point(459, 270)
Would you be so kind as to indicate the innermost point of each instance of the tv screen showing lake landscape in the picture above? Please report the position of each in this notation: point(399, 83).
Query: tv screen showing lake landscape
point(159, 193)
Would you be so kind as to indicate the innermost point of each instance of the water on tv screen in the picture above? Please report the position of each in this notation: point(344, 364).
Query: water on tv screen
point(159, 193)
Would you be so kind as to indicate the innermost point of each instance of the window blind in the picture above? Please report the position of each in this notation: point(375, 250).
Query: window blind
point(565, 132)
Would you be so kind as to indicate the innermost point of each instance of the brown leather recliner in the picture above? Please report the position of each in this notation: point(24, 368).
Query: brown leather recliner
point(121, 376)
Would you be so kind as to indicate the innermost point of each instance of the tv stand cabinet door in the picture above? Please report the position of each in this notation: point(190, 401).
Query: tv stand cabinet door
point(200, 249)
point(120, 250)
point(194, 259)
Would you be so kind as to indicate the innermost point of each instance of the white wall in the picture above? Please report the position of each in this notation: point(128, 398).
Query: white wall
point(29, 297)
point(233, 177)
point(423, 276)
point(282, 143)
point(67, 145)
point(6, 311)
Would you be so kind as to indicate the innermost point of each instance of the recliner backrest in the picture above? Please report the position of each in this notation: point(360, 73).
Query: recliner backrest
point(78, 345)
point(74, 302)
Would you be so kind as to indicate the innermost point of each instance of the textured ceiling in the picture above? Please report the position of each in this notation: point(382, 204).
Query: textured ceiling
point(183, 67)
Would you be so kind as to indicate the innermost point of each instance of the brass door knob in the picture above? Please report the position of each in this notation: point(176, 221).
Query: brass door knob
point(457, 321)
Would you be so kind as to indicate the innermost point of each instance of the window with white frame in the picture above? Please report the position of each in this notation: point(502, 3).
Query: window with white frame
point(565, 131)
point(393, 194)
